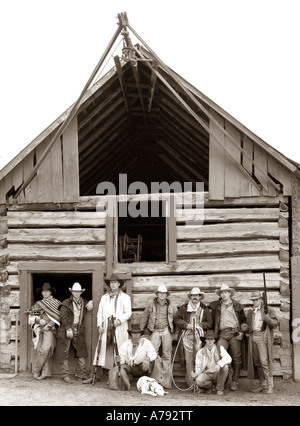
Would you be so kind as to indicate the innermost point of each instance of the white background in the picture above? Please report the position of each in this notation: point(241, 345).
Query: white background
point(242, 54)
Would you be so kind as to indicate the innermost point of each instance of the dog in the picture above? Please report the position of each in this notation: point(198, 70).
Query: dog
point(148, 386)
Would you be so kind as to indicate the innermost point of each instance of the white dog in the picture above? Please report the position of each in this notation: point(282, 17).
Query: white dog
point(148, 386)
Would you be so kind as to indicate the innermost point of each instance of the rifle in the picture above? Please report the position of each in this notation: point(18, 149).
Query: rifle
point(96, 359)
point(116, 350)
point(194, 351)
point(266, 310)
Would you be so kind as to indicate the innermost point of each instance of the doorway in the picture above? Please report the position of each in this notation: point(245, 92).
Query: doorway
point(61, 276)
point(62, 283)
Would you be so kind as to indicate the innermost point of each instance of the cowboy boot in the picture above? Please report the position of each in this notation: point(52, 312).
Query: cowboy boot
point(262, 382)
point(235, 377)
point(125, 378)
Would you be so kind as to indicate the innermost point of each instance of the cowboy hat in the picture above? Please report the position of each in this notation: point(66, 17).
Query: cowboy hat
point(46, 286)
point(225, 287)
point(162, 289)
point(209, 334)
point(255, 295)
point(196, 290)
point(76, 287)
point(134, 328)
point(114, 277)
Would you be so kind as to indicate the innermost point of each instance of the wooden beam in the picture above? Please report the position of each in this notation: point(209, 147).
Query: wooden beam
point(103, 118)
point(174, 166)
point(199, 159)
point(184, 128)
point(104, 138)
point(121, 81)
point(71, 114)
point(120, 118)
point(203, 266)
point(179, 158)
point(203, 124)
point(153, 79)
point(203, 109)
point(95, 112)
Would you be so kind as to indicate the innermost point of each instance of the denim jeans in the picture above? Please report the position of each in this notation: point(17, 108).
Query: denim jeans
point(261, 359)
point(206, 379)
point(227, 339)
point(163, 339)
point(65, 365)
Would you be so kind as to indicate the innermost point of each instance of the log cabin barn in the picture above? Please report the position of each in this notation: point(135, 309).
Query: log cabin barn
point(143, 123)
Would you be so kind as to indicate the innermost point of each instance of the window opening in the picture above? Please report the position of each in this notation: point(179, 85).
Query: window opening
point(142, 231)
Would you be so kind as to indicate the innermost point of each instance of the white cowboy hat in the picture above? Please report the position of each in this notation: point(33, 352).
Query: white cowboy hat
point(225, 287)
point(76, 287)
point(196, 290)
point(162, 289)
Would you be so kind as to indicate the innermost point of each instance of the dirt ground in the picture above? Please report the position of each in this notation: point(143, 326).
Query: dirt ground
point(24, 390)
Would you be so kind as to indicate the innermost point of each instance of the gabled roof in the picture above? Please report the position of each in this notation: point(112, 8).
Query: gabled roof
point(130, 110)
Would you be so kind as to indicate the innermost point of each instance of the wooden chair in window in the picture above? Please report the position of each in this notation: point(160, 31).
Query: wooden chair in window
point(130, 249)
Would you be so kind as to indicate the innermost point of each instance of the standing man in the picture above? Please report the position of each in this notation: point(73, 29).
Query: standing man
point(229, 325)
point(136, 355)
point(158, 319)
point(211, 365)
point(260, 343)
point(72, 331)
point(44, 320)
point(117, 304)
point(193, 309)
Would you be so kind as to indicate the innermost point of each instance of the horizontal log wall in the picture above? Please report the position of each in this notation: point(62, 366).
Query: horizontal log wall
point(7, 318)
point(233, 246)
point(40, 236)
point(239, 239)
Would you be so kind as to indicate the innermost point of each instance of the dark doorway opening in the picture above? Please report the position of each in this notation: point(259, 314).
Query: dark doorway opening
point(150, 224)
point(62, 283)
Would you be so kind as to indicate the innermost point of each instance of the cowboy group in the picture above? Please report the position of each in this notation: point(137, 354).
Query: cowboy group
point(211, 337)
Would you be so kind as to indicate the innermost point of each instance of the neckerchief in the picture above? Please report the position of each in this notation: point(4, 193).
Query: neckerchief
point(50, 306)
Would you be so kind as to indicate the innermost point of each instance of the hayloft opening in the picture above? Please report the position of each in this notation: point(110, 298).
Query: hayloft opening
point(141, 130)
point(142, 238)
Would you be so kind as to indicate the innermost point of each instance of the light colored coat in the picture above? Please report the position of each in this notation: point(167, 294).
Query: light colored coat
point(144, 349)
point(123, 313)
point(221, 358)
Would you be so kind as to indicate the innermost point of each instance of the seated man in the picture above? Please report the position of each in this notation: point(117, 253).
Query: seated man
point(211, 365)
point(136, 355)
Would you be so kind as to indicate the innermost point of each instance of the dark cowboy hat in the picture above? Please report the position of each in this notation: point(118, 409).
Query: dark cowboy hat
point(46, 286)
point(135, 328)
point(114, 277)
point(255, 295)
point(209, 334)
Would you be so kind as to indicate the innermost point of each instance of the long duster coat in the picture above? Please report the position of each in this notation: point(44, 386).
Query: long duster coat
point(123, 313)
point(269, 325)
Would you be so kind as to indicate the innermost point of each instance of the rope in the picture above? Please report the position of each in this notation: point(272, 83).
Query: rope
point(100, 72)
point(188, 343)
point(183, 336)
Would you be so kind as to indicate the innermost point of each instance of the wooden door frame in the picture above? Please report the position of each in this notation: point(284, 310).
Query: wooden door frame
point(26, 269)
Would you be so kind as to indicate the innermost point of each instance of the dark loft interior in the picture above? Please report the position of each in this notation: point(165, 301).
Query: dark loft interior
point(141, 131)
point(151, 229)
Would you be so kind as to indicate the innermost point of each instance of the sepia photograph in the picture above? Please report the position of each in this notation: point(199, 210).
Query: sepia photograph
point(150, 206)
